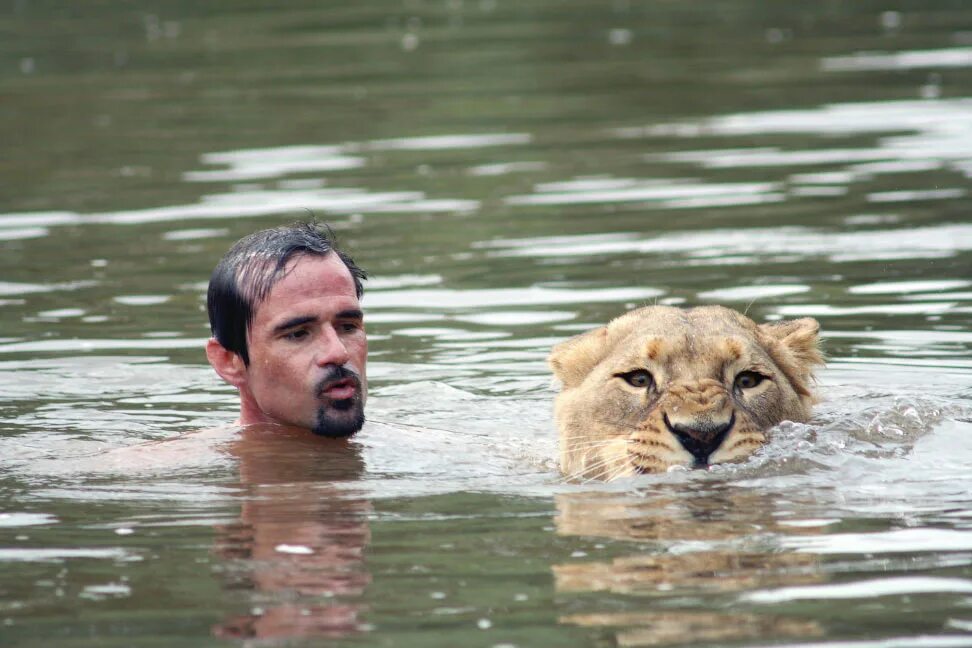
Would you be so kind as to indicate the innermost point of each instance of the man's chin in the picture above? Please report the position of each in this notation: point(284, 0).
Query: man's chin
point(340, 419)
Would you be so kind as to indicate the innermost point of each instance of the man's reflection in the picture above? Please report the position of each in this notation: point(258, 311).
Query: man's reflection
point(299, 542)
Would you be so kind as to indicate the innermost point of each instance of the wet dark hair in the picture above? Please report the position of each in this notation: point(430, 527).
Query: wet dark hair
point(249, 270)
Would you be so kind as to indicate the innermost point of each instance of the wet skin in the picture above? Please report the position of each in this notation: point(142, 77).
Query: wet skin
point(308, 352)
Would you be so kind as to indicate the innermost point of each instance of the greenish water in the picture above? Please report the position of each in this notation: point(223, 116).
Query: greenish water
point(510, 174)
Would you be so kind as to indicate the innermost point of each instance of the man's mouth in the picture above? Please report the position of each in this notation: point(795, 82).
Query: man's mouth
point(340, 389)
point(339, 384)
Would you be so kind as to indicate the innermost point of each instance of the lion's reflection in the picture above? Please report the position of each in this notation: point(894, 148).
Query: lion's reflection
point(682, 627)
point(695, 553)
point(300, 538)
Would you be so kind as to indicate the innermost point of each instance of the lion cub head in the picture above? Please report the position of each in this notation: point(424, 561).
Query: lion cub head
point(662, 387)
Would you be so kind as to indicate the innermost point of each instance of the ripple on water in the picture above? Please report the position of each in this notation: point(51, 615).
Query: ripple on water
point(907, 60)
point(446, 142)
point(863, 589)
point(142, 300)
point(827, 310)
point(20, 233)
point(26, 519)
point(194, 234)
point(269, 163)
point(93, 344)
point(446, 299)
point(504, 168)
point(744, 293)
point(895, 541)
point(937, 134)
point(9, 288)
point(278, 162)
point(394, 282)
point(60, 554)
point(667, 193)
point(944, 115)
point(61, 313)
point(760, 244)
point(899, 287)
point(516, 318)
point(253, 203)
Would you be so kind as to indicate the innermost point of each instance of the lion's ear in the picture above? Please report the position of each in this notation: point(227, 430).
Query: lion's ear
point(799, 337)
point(795, 347)
point(573, 359)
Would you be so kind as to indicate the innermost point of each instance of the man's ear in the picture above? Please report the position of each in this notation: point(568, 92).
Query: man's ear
point(228, 364)
point(573, 359)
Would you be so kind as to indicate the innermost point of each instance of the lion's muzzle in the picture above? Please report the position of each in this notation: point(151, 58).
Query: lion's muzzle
point(702, 437)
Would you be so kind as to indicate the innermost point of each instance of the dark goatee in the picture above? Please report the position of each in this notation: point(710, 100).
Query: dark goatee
point(341, 418)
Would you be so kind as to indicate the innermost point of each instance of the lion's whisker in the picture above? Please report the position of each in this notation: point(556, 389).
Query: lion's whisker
point(601, 468)
point(599, 477)
point(589, 444)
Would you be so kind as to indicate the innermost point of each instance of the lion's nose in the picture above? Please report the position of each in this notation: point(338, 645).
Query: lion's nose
point(701, 438)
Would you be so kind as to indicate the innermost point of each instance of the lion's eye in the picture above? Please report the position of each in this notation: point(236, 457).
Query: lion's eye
point(639, 378)
point(749, 379)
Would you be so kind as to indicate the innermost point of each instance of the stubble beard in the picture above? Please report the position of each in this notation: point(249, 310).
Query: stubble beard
point(339, 419)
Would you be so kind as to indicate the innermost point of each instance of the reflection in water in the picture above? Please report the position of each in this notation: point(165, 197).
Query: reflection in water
point(711, 513)
point(700, 552)
point(297, 549)
point(689, 628)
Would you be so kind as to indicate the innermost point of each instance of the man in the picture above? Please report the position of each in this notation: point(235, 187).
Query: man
point(288, 331)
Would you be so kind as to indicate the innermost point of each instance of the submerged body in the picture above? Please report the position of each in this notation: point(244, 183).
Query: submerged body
point(661, 386)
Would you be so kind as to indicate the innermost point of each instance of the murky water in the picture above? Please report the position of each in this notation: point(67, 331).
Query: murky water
point(510, 174)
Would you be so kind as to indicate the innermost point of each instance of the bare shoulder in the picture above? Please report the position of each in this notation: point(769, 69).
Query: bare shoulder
point(195, 449)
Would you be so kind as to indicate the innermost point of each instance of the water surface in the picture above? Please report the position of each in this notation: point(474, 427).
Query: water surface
point(510, 174)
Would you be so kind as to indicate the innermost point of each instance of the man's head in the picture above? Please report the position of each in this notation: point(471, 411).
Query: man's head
point(288, 331)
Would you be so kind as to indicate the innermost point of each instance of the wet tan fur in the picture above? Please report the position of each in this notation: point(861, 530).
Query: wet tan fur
point(610, 429)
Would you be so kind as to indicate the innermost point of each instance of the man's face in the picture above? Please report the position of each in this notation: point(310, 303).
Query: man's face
point(308, 351)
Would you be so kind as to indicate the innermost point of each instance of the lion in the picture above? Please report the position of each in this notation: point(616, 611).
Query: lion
point(662, 387)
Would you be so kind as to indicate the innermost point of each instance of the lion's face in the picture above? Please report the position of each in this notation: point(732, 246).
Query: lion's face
point(662, 387)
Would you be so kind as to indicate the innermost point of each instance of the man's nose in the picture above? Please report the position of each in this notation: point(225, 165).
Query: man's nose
point(332, 349)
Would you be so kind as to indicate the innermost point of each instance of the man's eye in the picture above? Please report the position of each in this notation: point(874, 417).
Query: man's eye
point(640, 378)
point(349, 327)
point(296, 335)
point(749, 379)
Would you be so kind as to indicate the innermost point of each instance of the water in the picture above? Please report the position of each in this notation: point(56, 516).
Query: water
point(510, 174)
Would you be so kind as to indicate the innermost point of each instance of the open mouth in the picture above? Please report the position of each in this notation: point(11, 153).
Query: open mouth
point(340, 390)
